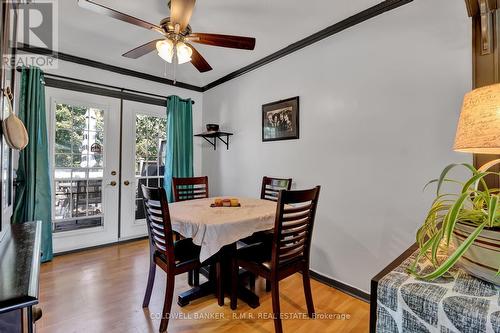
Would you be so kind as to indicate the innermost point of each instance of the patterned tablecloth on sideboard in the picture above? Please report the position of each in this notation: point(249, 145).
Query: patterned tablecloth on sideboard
point(457, 303)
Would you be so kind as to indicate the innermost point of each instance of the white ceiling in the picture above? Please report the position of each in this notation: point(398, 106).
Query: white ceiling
point(274, 23)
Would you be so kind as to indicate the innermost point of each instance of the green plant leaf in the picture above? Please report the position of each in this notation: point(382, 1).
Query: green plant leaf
point(474, 181)
point(435, 246)
point(453, 258)
point(423, 250)
point(445, 180)
point(451, 219)
point(492, 210)
point(445, 171)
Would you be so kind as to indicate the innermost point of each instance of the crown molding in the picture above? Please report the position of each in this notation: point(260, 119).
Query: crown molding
point(349, 22)
point(100, 65)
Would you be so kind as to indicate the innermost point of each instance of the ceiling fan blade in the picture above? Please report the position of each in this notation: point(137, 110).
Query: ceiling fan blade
point(181, 11)
point(95, 7)
point(142, 50)
point(198, 61)
point(235, 42)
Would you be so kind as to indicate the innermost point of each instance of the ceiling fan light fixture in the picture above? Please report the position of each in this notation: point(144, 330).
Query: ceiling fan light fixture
point(165, 49)
point(184, 53)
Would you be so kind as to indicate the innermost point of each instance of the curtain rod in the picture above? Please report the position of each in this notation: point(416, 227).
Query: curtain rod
point(104, 85)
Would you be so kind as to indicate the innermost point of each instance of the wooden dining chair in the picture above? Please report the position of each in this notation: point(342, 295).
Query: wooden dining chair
point(190, 188)
point(269, 191)
point(271, 187)
point(173, 257)
point(289, 251)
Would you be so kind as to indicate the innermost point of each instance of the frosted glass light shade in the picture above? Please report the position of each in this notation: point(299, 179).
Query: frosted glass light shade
point(165, 49)
point(184, 53)
point(478, 129)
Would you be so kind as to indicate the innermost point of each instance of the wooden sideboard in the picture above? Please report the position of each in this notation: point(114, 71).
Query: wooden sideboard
point(19, 277)
point(374, 284)
point(455, 302)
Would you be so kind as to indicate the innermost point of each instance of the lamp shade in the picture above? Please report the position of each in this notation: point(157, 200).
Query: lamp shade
point(478, 129)
point(184, 53)
point(165, 49)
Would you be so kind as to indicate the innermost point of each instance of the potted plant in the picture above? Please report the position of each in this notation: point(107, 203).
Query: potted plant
point(466, 224)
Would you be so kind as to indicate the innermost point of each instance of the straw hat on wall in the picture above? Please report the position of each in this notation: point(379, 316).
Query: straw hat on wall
point(14, 130)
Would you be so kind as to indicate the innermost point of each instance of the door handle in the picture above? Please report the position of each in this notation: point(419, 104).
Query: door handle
point(126, 183)
point(113, 183)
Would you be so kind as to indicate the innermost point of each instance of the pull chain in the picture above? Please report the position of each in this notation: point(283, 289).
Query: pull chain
point(175, 62)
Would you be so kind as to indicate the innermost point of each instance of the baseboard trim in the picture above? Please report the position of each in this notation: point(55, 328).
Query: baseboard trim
point(350, 290)
point(57, 254)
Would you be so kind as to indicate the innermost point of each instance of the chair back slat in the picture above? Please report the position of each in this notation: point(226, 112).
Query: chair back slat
point(295, 214)
point(295, 230)
point(297, 209)
point(292, 225)
point(190, 188)
point(294, 253)
point(292, 240)
point(158, 221)
point(297, 217)
point(271, 187)
point(156, 232)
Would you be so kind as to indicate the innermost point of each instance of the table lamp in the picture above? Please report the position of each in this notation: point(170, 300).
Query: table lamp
point(479, 132)
point(478, 128)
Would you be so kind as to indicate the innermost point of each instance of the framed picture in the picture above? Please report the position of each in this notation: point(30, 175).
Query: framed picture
point(280, 120)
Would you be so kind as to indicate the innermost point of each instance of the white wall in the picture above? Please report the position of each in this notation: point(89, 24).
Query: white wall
point(378, 108)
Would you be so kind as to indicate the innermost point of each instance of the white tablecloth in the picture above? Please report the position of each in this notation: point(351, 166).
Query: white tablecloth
point(214, 227)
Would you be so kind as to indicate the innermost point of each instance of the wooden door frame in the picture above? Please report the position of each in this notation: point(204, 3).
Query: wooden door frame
point(485, 65)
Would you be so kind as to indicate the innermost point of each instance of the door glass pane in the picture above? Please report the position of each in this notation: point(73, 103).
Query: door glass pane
point(94, 197)
point(150, 147)
point(78, 167)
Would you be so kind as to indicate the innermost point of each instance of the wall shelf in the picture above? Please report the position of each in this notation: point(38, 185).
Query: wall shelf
point(211, 137)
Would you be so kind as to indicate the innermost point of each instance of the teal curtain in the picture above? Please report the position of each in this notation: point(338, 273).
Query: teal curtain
point(179, 156)
point(33, 194)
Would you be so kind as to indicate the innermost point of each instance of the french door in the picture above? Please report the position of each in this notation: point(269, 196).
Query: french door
point(143, 159)
point(85, 162)
point(96, 199)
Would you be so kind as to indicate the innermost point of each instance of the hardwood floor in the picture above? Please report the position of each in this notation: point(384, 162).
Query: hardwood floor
point(101, 290)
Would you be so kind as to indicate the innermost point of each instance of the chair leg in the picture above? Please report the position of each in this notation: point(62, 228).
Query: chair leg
point(234, 283)
point(307, 292)
point(268, 285)
point(251, 281)
point(167, 305)
point(275, 294)
point(149, 286)
point(190, 278)
point(196, 277)
point(220, 283)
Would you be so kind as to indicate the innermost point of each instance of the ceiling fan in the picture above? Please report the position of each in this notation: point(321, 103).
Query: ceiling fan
point(175, 46)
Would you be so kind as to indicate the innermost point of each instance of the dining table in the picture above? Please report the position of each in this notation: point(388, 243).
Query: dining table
point(217, 231)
